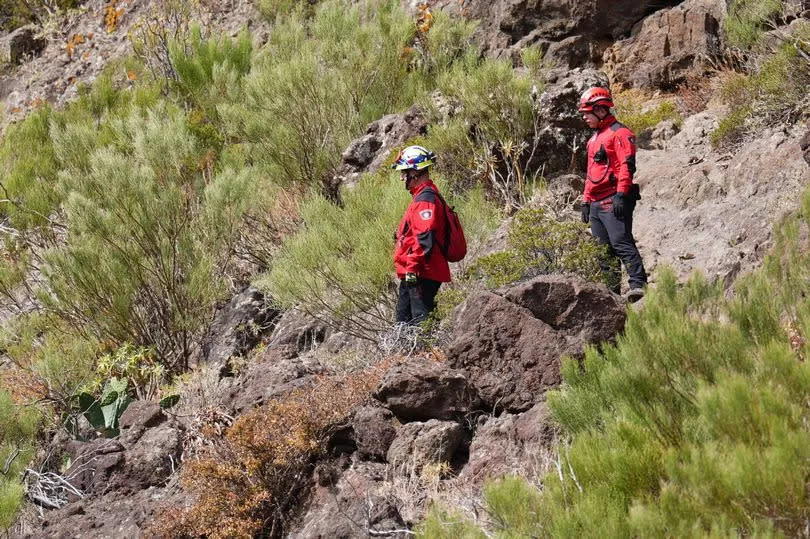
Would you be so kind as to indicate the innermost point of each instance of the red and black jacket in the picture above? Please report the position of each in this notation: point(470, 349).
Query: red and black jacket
point(417, 250)
point(611, 161)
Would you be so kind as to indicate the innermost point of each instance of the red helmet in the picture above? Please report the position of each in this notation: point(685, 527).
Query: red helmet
point(595, 96)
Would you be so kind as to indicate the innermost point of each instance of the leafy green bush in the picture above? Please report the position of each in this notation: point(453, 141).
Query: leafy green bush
point(773, 88)
point(539, 244)
point(695, 422)
point(105, 411)
point(339, 267)
point(49, 363)
point(771, 93)
point(274, 9)
point(137, 266)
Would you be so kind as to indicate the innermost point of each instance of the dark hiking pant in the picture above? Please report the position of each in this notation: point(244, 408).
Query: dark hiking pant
point(618, 236)
point(416, 302)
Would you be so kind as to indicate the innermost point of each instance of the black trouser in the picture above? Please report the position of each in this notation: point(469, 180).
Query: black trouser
point(416, 302)
point(618, 236)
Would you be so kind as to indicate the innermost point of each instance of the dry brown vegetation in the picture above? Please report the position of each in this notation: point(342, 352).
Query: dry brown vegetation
point(247, 481)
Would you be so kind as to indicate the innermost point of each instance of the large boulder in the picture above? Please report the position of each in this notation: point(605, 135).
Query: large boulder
point(713, 211)
point(562, 132)
point(510, 356)
point(668, 45)
point(581, 309)
point(136, 462)
point(427, 390)
point(373, 432)
point(269, 376)
point(110, 515)
point(354, 504)
point(572, 33)
point(510, 343)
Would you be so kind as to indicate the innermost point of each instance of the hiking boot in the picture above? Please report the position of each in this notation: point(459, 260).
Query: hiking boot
point(634, 294)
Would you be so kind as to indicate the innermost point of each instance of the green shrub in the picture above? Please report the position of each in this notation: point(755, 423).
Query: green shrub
point(29, 172)
point(490, 139)
point(442, 523)
point(18, 426)
point(138, 265)
point(16, 13)
point(539, 244)
point(747, 19)
point(632, 113)
point(138, 365)
point(49, 363)
point(772, 91)
point(319, 81)
point(339, 266)
point(210, 71)
point(275, 9)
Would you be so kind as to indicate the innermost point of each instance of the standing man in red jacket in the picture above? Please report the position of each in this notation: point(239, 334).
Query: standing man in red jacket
point(610, 194)
point(420, 263)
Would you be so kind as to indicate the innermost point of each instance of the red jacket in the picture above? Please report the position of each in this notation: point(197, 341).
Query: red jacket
point(611, 161)
point(416, 250)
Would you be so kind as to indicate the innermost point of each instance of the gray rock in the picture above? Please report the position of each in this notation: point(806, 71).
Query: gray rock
point(237, 328)
point(296, 333)
point(579, 29)
point(579, 308)
point(509, 444)
point(351, 506)
point(369, 152)
point(418, 445)
point(427, 390)
point(271, 375)
point(137, 418)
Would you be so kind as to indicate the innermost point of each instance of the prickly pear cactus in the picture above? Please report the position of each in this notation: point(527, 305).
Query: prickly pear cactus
point(103, 413)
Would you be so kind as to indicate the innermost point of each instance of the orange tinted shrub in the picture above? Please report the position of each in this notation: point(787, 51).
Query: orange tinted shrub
point(247, 482)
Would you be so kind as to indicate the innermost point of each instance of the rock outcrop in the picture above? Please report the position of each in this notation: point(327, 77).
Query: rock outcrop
point(119, 485)
point(424, 390)
point(712, 211)
point(369, 152)
point(511, 343)
point(668, 45)
point(572, 34)
point(237, 328)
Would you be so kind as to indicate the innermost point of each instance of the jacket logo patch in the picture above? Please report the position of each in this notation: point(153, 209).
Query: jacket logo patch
point(426, 214)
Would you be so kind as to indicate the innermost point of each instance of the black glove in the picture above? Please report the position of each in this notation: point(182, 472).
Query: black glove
point(619, 206)
point(411, 280)
point(585, 209)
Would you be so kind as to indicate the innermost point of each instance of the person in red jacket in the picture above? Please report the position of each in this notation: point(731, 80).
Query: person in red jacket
point(420, 263)
point(610, 195)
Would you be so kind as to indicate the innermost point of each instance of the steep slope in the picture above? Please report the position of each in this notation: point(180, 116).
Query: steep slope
point(440, 424)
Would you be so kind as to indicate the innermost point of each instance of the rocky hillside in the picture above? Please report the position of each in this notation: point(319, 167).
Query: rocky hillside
point(292, 424)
